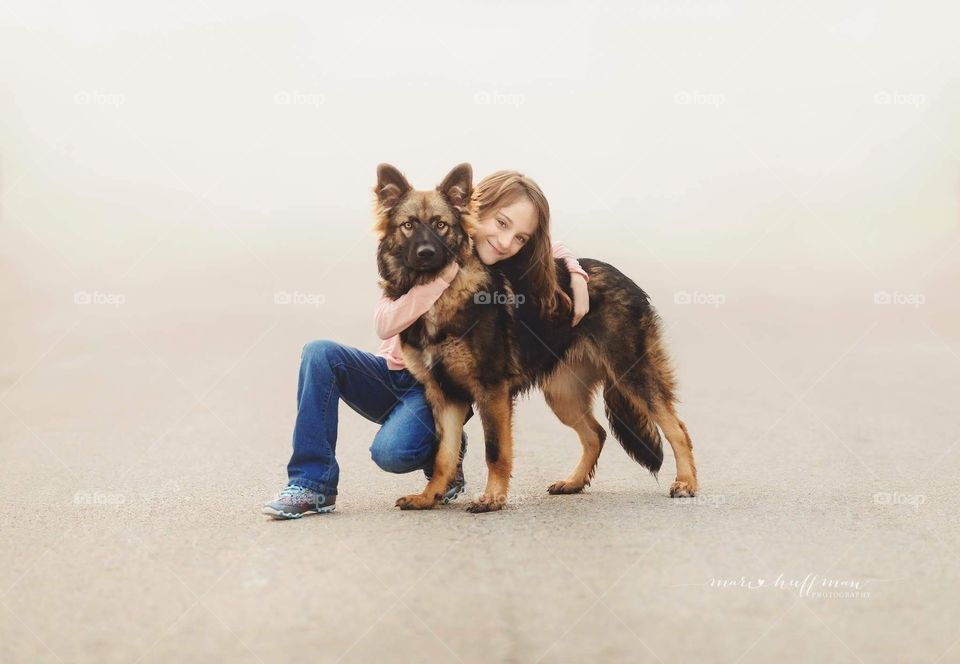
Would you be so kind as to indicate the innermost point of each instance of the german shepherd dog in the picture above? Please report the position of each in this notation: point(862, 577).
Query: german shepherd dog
point(482, 343)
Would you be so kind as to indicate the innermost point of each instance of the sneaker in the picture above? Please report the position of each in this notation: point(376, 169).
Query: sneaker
point(295, 501)
point(458, 484)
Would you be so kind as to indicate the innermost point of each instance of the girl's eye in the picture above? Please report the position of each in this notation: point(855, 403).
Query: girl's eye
point(521, 240)
point(441, 225)
point(501, 223)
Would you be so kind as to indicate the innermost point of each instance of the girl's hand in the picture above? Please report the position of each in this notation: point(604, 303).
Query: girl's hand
point(581, 298)
point(450, 272)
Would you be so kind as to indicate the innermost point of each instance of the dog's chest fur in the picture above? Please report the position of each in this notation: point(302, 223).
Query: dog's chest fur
point(440, 345)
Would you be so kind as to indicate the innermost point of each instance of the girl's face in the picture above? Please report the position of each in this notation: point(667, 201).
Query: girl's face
point(505, 231)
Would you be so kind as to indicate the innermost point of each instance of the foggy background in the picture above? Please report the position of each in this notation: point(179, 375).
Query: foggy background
point(679, 134)
point(778, 176)
point(186, 201)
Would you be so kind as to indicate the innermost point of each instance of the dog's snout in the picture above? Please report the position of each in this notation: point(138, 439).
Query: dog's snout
point(425, 252)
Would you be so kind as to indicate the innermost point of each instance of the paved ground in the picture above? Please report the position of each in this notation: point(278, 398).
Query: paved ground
point(139, 440)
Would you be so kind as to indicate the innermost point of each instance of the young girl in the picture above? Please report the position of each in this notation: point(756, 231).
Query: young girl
point(513, 213)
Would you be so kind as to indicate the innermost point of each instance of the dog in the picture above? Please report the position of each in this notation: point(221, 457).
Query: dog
point(480, 344)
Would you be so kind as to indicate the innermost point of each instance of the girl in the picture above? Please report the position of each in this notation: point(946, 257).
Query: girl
point(513, 213)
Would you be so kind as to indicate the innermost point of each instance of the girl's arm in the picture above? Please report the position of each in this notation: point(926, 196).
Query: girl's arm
point(394, 316)
point(581, 298)
point(560, 251)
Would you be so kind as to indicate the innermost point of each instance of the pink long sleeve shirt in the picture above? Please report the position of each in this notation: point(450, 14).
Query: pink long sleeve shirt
point(394, 316)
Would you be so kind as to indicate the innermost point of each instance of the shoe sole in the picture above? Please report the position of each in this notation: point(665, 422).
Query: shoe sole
point(450, 498)
point(280, 514)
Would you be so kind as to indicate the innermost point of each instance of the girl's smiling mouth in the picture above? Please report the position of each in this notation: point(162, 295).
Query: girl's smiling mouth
point(497, 251)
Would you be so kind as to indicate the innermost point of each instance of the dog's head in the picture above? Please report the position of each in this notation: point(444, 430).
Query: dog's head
point(421, 232)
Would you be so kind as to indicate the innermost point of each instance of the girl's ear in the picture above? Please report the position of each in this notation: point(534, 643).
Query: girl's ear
point(458, 185)
point(391, 186)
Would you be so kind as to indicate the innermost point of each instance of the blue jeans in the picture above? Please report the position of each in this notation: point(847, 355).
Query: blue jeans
point(331, 372)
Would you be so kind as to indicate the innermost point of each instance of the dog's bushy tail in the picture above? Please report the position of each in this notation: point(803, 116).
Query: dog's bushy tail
point(634, 429)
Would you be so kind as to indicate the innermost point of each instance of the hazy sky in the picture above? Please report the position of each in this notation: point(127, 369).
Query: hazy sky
point(691, 133)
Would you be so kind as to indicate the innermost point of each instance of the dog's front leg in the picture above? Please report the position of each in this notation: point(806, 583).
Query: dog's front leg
point(496, 413)
point(448, 417)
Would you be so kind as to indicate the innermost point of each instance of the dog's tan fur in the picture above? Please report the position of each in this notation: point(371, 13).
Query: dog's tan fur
point(463, 352)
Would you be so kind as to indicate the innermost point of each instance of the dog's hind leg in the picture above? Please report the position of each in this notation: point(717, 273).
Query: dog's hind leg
point(496, 413)
point(641, 398)
point(569, 393)
point(676, 432)
point(647, 415)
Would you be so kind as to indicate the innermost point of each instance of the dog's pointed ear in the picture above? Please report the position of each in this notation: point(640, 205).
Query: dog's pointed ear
point(458, 186)
point(391, 186)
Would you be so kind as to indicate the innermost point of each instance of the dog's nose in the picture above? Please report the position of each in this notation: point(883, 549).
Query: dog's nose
point(425, 252)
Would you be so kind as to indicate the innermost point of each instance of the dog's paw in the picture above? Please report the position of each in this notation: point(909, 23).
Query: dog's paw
point(417, 501)
point(486, 503)
point(682, 489)
point(564, 486)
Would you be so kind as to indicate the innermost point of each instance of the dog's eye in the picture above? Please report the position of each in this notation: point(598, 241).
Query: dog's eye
point(407, 225)
point(441, 225)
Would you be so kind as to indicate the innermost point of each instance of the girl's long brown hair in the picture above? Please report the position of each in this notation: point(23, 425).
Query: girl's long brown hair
point(502, 188)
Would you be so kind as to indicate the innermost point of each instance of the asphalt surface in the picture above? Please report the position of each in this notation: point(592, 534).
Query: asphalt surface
point(139, 441)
